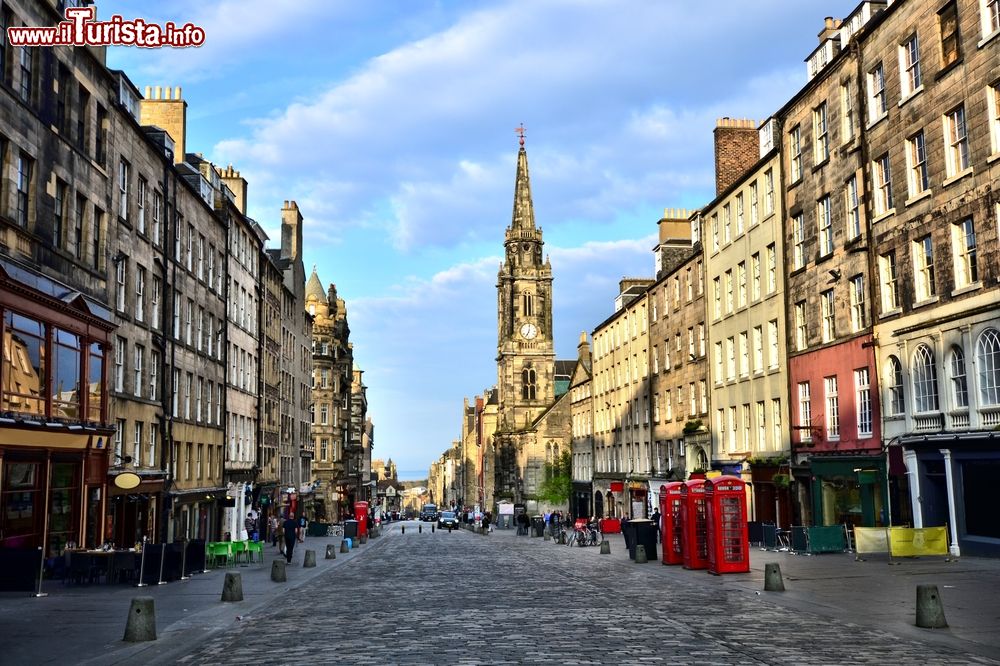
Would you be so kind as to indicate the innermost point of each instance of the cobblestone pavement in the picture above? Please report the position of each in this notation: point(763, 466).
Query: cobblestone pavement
point(414, 599)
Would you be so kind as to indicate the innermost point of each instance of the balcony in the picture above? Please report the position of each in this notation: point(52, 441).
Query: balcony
point(928, 423)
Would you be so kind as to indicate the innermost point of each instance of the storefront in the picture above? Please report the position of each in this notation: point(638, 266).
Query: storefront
point(848, 491)
point(581, 503)
point(196, 514)
point(133, 513)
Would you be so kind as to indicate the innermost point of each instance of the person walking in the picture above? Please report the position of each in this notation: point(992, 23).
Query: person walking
point(272, 529)
point(656, 523)
point(250, 525)
point(291, 530)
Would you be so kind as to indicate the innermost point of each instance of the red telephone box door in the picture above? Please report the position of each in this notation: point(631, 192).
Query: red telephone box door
point(729, 548)
point(670, 510)
point(361, 515)
point(694, 543)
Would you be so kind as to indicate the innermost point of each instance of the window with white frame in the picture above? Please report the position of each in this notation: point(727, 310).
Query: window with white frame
point(924, 379)
point(959, 383)
point(761, 426)
point(692, 402)
point(119, 437)
point(909, 66)
point(154, 437)
point(956, 141)
point(717, 297)
point(882, 179)
point(739, 213)
point(923, 268)
point(832, 408)
point(916, 164)
point(727, 224)
point(993, 107)
point(741, 284)
point(731, 428)
point(718, 363)
point(798, 241)
point(121, 278)
point(123, 182)
point(745, 436)
point(863, 401)
point(730, 359)
point(744, 355)
point(715, 232)
point(877, 106)
point(140, 293)
point(728, 283)
point(989, 14)
point(805, 413)
point(772, 343)
point(188, 390)
point(701, 339)
point(846, 111)
point(703, 396)
point(137, 363)
point(852, 207)
point(154, 374)
point(758, 348)
point(964, 249)
point(894, 381)
point(988, 367)
point(821, 135)
point(801, 333)
point(119, 363)
point(772, 268)
point(795, 153)
point(768, 192)
point(755, 276)
point(669, 406)
point(175, 391)
point(154, 303)
point(888, 275)
point(859, 318)
point(823, 218)
point(826, 308)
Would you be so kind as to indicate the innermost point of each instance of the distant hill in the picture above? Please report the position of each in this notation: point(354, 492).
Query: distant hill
point(407, 485)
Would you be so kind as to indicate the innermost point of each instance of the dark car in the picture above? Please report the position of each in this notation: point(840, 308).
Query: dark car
point(429, 513)
point(447, 519)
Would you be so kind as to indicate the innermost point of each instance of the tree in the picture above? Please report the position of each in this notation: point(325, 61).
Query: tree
point(556, 487)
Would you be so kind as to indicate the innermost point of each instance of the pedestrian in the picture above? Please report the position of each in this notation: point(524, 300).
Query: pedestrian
point(272, 528)
point(656, 523)
point(291, 530)
point(625, 529)
point(302, 529)
point(250, 524)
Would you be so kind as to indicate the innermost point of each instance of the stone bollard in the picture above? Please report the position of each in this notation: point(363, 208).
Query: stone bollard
point(548, 537)
point(772, 578)
point(344, 547)
point(432, 528)
point(309, 560)
point(402, 529)
point(364, 539)
point(640, 554)
point(420, 529)
point(605, 547)
point(449, 528)
point(930, 610)
point(331, 551)
point(232, 587)
point(278, 571)
point(141, 624)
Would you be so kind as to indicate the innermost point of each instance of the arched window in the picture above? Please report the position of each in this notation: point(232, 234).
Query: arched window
point(988, 360)
point(924, 375)
point(528, 304)
point(528, 384)
point(959, 384)
point(894, 379)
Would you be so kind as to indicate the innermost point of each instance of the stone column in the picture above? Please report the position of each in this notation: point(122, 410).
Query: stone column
point(913, 478)
point(952, 519)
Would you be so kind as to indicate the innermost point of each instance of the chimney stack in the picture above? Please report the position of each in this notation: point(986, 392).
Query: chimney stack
point(831, 28)
point(737, 148)
point(291, 231)
point(237, 184)
point(169, 113)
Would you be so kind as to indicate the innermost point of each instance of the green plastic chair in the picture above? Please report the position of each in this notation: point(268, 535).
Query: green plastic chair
point(239, 549)
point(255, 547)
point(219, 551)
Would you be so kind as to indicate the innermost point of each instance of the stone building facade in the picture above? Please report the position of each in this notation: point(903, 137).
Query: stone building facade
point(332, 376)
point(581, 502)
point(746, 330)
point(936, 123)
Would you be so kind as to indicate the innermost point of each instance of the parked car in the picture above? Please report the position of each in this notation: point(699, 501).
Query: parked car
point(447, 519)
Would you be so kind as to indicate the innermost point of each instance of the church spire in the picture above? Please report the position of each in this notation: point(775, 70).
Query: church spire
point(524, 211)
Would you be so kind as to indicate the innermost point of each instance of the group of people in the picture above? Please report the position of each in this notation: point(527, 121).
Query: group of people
point(284, 532)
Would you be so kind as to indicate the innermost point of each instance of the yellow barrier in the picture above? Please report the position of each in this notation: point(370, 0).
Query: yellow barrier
point(901, 541)
point(871, 540)
point(911, 542)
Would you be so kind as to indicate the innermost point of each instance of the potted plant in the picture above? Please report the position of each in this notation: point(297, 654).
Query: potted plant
point(781, 480)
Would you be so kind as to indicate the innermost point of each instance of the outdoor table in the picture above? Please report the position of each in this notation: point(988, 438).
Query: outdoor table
point(108, 563)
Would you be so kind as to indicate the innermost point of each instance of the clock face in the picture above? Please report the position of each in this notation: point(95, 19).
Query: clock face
point(529, 331)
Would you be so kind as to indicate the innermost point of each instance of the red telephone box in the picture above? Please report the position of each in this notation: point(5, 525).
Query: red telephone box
point(729, 544)
point(670, 522)
point(361, 515)
point(694, 544)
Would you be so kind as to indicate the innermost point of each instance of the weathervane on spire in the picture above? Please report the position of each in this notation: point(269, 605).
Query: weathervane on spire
point(520, 133)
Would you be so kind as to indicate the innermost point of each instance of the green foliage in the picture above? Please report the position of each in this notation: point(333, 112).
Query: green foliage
point(558, 483)
point(776, 461)
point(692, 426)
point(781, 480)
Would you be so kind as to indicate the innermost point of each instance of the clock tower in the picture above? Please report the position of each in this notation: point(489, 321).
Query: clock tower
point(525, 349)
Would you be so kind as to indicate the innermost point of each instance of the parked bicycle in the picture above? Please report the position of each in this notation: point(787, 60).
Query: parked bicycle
point(584, 535)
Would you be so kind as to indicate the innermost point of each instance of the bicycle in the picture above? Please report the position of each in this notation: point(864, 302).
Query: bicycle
point(335, 530)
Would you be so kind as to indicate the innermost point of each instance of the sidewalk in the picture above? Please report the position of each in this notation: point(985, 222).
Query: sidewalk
point(871, 593)
point(92, 618)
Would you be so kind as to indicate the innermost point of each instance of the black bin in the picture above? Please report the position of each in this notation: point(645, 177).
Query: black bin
point(351, 529)
point(538, 524)
point(641, 531)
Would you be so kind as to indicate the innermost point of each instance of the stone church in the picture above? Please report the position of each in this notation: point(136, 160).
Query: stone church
point(533, 424)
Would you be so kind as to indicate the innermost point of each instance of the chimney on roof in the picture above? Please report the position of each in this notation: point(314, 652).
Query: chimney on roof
point(237, 184)
point(737, 148)
point(168, 112)
point(831, 28)
point(291, 231)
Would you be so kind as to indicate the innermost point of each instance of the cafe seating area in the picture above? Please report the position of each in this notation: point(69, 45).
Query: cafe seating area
point(233, 553)
point(151, 565)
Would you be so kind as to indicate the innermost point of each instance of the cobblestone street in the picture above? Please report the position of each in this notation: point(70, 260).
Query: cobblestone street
point(537, 603)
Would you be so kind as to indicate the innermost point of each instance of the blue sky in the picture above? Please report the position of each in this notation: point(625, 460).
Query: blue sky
point(391, 123)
